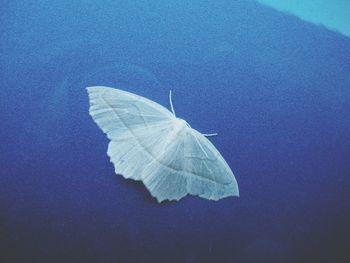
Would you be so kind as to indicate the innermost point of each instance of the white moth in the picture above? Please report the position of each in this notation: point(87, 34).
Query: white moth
point(149, 143)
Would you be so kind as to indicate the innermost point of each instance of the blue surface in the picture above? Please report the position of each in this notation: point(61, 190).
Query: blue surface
point(274, 87)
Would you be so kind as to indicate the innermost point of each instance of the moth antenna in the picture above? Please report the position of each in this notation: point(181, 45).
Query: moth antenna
point(171, 104)
point(210, 134)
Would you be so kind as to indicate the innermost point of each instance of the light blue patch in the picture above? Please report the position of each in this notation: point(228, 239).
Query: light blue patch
point(333, 14)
